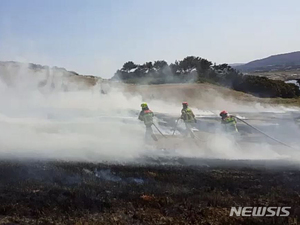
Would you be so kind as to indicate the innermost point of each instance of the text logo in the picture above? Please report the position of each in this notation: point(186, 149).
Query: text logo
point(260, 211)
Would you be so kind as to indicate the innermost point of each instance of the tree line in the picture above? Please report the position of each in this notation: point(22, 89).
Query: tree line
point(195, 69)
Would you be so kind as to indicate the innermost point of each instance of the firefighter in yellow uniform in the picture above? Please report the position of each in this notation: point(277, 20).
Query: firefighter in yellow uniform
point(229, 122)
point(189, 119)
point(146, 115)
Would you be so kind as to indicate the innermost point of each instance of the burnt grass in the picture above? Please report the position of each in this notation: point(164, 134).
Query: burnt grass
point(36, 192)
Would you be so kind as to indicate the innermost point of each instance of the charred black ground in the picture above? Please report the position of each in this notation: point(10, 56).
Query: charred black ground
point(191, 192)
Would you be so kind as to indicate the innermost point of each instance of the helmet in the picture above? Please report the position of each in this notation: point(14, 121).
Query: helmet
point(223, 113)
point(144, 105)
point(185, 103)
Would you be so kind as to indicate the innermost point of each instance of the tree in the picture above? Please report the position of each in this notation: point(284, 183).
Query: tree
point(192, 69)
point(205, 65)
point(129, 66)
point(148, 65)
point(189, 63)
point(160, 64)
point(175, 67)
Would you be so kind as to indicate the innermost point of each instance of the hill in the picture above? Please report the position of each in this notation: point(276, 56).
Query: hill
point(43, 77)
point(287, 61)
point(284, 75)
point(198, 70)
point(192, 83)
point(200, 95)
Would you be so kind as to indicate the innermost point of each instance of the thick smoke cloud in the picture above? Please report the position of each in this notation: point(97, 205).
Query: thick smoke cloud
point(46, 114)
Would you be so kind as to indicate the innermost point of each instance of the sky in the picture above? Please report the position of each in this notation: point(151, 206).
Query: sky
point(96, 37)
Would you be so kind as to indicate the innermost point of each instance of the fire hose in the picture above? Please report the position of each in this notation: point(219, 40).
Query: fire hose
point(159, 131)
point(175, 126)
point(264, 133)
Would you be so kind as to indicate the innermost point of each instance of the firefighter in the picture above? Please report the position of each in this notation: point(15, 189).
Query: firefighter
point(188, 117)
point(146, 115)
point(229, 122)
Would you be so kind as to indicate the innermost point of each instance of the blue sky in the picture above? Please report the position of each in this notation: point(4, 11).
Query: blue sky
point(97, 37)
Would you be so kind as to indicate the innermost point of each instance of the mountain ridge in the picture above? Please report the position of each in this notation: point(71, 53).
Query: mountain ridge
point(284, 61)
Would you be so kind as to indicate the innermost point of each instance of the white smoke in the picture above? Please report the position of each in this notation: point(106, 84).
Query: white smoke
point(40, 119)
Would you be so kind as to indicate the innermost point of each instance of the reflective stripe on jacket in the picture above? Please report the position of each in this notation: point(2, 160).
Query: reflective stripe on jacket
point(230, 124)
point(146, 116)
point(187, 115)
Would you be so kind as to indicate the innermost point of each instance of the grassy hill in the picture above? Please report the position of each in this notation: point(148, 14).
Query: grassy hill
point(34, 75)
point(59, 79)
point(198, 70)
point(283, 75)
point(280, 62)
point(202, 95)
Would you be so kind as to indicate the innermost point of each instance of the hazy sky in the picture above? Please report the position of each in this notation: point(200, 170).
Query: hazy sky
point(97, 37)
